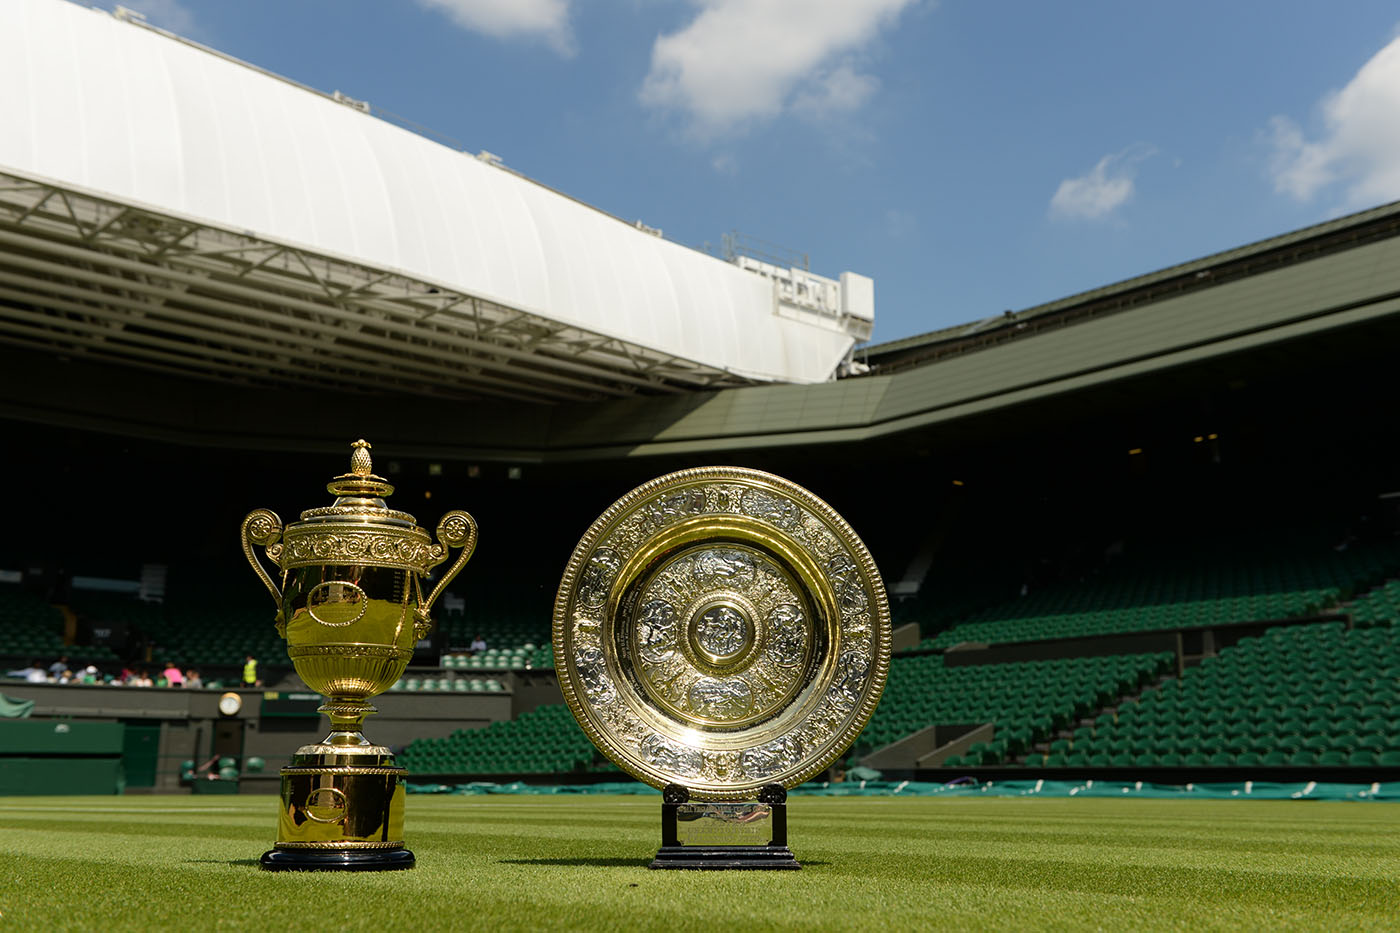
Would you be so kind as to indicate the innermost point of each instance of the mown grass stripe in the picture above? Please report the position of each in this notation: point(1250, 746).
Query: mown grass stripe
point(577, 862)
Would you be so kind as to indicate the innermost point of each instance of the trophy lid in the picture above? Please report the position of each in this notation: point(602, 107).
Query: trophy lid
point(359, 495)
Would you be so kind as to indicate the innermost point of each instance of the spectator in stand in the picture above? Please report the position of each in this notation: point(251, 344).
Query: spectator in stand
point(142, 679)
point(128, 675)
point(172, 675)
point(193, 681)
point(33, 674)
point(478, 644)
point(60, 667)
point(250, 672)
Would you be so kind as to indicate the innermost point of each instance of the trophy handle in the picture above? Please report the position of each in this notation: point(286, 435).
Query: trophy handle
point(263, 527)
point(456, 529)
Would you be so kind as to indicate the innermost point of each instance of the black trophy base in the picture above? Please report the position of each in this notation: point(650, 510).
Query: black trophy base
point(714, 858)
point(731, 835)
point(336, 860)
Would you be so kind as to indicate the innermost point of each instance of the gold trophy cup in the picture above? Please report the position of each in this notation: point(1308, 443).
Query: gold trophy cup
point(351, 609)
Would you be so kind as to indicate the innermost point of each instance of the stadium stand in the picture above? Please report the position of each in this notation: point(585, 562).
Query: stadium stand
point(1380, 606)
point(512, 634)
point(414, 683)
point(1248, 580)
point(545, 740)
point(1316, 694)
point(1026, 701)
point(30, 628)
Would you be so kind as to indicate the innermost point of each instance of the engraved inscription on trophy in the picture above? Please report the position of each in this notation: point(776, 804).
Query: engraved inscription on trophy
point(700, 824)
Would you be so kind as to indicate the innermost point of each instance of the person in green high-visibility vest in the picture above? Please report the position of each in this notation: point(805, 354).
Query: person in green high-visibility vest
point(250, 672)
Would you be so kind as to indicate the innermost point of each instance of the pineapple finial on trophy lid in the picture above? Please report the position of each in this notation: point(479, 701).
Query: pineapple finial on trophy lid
point(360, 482)
point(360, 463)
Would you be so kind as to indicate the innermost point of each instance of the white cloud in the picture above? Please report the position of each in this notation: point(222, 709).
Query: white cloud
point(1104, 188)
point(169, 15)
point(744, 61)
point(840, 89)
point(547, 20)
point(1359, 148)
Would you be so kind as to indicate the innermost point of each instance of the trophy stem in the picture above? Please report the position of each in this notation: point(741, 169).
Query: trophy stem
point(346, 716)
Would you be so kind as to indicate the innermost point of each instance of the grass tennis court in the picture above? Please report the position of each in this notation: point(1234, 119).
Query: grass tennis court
point(508, 862)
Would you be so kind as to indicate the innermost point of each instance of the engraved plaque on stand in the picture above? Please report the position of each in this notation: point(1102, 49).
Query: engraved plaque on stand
point(724, 834)
point(722, 633)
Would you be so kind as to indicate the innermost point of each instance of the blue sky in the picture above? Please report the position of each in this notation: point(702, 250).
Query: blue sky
point(971, 157)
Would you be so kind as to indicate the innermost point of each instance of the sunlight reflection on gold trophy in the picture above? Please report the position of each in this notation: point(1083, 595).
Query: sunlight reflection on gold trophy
point(351, 608)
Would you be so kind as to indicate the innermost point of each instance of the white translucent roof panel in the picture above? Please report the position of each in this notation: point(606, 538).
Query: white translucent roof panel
point(129, 114)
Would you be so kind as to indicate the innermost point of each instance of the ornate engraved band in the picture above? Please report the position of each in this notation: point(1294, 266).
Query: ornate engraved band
point(350, 651)
point(411, 548)
point(332, 511)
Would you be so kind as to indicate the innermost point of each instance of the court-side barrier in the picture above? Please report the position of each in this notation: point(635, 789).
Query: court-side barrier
point(1248, 790)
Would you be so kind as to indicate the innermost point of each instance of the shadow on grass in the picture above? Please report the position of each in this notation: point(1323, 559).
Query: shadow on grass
point(601, 862)
point(578, 862)
point(232, 862)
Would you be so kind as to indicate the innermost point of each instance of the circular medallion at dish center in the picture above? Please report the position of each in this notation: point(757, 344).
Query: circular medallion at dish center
point(721, 637)
point(721, 628)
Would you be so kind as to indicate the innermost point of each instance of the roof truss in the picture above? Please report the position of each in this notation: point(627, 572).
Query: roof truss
point(82, 275)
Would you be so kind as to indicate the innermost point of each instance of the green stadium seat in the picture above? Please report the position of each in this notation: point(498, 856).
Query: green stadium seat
point(1372, 742)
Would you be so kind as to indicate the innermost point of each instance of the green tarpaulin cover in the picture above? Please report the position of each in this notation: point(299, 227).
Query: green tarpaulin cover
point(10, 708)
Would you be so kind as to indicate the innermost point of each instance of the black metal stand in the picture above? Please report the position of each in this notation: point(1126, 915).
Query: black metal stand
point(682, 846)
point(336, 860)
